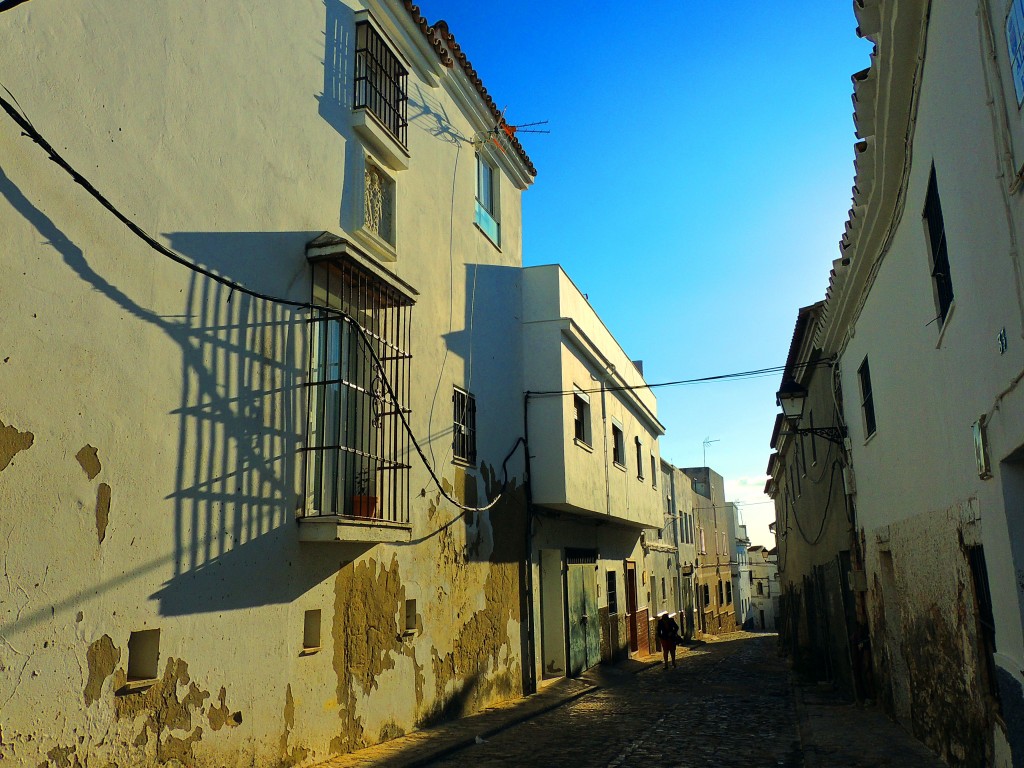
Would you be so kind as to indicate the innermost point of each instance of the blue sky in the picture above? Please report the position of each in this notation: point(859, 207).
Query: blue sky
point(695, 185)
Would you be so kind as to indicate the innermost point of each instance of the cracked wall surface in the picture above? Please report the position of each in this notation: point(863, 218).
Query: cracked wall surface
point(926, 646)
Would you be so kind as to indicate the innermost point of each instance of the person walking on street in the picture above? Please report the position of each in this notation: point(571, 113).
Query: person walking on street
point(668, 636)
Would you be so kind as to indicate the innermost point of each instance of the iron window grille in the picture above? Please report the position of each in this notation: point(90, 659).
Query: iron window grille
point(357, 449)
point(464, 426)
point(937, 246)
point(381, 82)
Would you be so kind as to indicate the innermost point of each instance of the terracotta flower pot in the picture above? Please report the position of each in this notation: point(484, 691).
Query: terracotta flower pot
point(364, 506)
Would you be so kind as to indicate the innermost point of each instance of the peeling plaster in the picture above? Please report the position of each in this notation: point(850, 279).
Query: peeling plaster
point(366, 640)
point(295, 755)
point(102, 658)
point(12, 442)
point(88, 458)
point(221, 716)
point(102, 511)
point(161, 711)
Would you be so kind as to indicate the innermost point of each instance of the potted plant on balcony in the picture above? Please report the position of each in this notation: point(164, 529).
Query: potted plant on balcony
point(364, 502)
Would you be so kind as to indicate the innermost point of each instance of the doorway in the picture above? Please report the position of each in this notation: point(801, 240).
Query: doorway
point(584, 626)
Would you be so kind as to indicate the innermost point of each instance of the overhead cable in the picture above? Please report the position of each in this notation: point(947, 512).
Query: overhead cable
point(29, 130)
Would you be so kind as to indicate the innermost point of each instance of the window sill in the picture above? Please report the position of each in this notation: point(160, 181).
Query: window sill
point(136, 686)
point(460, 462)
point(583, 444)
point(379, 140)
point(312, 650)
point(870, 437)
point(621, 467)
point(342, 528)
point(378, 247)
point(487, 237)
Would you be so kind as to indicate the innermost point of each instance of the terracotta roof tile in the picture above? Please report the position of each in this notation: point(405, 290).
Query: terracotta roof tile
point(450, 52)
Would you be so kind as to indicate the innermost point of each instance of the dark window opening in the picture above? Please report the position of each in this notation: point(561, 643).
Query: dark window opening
point(866, 399)
point(613, 599)
point(618, 446)
point(937, 246)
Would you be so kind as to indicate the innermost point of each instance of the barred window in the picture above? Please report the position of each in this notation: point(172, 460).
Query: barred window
point(464, 426)
point(381, 82)
point(357, 447)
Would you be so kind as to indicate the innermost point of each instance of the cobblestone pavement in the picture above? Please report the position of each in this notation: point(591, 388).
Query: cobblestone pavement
point(725, 704)
point(730, 702)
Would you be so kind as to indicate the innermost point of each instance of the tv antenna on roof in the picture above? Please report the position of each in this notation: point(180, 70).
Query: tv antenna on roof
point(505, 131)
point(708, 441)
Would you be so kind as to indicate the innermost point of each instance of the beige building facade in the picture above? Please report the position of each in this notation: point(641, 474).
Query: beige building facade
point(594, 469)
point(222, 543)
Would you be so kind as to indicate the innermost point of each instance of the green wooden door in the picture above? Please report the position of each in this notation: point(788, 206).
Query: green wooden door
point(577, 622)
point(584, 626)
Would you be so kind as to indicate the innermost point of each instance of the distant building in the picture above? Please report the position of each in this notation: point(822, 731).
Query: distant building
point(764, 590)
point(716, 611)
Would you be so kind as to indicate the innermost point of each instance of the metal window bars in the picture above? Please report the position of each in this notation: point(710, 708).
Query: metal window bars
point(381, 82)
point(464, 426)
point(357, 451)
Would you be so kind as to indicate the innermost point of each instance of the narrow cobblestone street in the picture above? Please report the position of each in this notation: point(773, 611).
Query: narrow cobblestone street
point(729, 702)
point(725, 704)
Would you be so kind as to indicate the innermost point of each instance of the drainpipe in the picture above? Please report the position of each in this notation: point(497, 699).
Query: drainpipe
point(530, 683)
point(604, 439)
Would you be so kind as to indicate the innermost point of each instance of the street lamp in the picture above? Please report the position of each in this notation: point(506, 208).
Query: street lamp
point(791, 397)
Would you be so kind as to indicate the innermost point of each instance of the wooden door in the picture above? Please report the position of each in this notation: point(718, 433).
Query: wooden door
point(634, 635)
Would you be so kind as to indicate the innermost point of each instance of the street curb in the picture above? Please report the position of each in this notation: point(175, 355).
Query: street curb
point(803, 733)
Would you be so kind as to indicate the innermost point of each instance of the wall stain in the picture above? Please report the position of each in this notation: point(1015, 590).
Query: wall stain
point(162, 711)
point(102, 658)
point(62, 757)
point(477, 670)
point(102, 511)
point(12, 442)
point(366, 639)
point(295, 755)
point(89, 459)
point(220, 717)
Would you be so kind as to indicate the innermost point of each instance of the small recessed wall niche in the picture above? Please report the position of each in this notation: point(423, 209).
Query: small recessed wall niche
point(143, 655)
point(409, 625)
point(311, 632)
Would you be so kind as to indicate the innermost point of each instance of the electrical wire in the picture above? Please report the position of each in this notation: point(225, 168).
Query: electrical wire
point(30, 131)
point(753, 374)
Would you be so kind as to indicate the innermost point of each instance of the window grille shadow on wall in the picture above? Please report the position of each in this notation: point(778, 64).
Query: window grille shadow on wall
point(357, 452)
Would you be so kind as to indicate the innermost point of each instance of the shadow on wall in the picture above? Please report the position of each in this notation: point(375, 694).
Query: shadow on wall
point(239, 422)
point(489, 350)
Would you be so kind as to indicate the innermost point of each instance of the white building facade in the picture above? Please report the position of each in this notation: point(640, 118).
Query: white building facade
point(925, 317)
